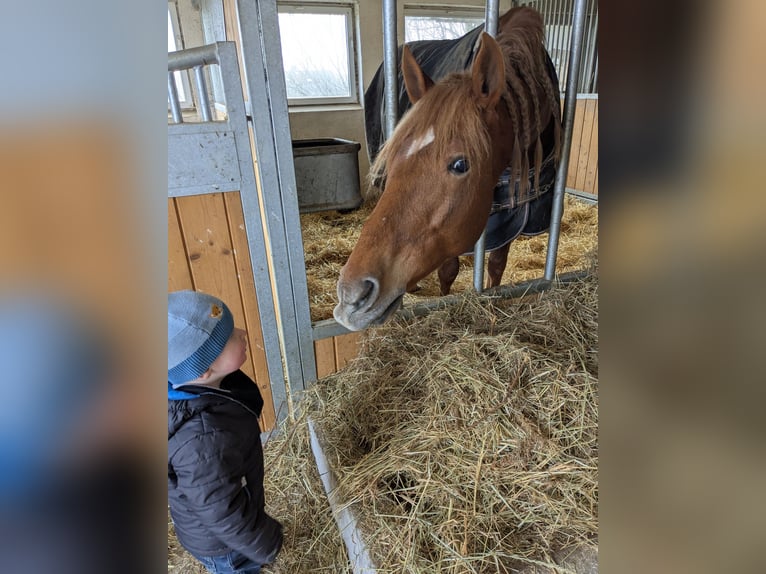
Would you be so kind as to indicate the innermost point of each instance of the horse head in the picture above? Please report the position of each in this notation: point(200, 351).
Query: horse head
point(439, 167)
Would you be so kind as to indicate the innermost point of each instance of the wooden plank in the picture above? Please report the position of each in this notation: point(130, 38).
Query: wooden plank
point(592, 167)
point(582, 158)
point(249, 297)
point(324, 349)
point(208, 242)
point(576, 136)
point(346, 348)
point(179, 274)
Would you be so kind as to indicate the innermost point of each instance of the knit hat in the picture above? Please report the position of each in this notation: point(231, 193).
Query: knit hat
point(199, 325)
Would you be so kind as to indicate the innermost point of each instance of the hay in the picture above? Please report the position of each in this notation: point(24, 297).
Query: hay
point(467, 440)
point(329, 237)
point(295, 497)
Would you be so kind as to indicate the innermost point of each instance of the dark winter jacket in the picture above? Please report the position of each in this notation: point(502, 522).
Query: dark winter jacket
point(215, 472)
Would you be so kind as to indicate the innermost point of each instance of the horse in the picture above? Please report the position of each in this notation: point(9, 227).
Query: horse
point(458, 158)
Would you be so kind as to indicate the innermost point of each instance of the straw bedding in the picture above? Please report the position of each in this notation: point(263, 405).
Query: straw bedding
point(467, 440)
point(329, 237)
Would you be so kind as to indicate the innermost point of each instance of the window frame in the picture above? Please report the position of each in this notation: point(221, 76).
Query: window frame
point(349, 11)
point(442, 11)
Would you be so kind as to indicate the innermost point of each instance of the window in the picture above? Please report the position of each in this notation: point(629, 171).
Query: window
point(558, 31)
point(175, 43)
point(439, 22)
point(318, 53)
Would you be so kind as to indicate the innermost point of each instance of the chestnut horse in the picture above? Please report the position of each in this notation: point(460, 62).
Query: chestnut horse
point(441, 165)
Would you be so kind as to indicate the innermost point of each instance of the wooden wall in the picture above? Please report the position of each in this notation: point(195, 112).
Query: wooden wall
point(208, 251)
point(334, 353)
point(583, 159)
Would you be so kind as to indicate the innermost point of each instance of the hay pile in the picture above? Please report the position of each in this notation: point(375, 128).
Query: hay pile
point(467, 440)
point(295, 497)
point(329, 237)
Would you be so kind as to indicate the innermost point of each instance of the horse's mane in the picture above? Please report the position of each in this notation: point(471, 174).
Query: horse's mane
point(450, 108)
point(526, 74)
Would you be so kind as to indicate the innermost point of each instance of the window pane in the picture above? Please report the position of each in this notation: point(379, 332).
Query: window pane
point(171, 35)
point(315, 55)
point(437, 27)
point(172, 47)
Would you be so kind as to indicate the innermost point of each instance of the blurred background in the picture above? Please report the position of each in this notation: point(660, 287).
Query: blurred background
point(82, 286)
point(83, 254)
point(682, 239)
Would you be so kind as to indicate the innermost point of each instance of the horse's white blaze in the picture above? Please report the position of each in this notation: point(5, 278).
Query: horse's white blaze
point(422, 142)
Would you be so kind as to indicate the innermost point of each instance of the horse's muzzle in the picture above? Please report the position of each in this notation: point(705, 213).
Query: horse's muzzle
point(360, 304)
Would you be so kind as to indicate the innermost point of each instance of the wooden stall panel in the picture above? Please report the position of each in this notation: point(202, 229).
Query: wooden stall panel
point(591, 171)
point(324, 350)
point(576, 137)
point(346, 348)
point(581, 159)
point(209, 249)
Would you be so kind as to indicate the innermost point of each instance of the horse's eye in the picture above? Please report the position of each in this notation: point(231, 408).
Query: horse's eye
point(458, 166)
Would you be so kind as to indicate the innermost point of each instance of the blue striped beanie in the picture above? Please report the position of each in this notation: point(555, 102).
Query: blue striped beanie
point(199, 325)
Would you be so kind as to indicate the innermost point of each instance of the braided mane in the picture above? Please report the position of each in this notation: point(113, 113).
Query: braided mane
point(528, 82)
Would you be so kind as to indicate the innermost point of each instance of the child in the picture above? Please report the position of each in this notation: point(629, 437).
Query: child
point(215, 460)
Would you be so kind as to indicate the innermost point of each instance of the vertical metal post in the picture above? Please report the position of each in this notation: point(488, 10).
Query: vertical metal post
point(175, 107)
point(490, 27)
point(391, 88)
point(258, 24)
point(570, 100)
point(204, 101)
point(590, 47)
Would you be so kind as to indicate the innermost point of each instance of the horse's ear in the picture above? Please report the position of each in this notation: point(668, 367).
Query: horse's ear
point(416, 82)
point(488, 72)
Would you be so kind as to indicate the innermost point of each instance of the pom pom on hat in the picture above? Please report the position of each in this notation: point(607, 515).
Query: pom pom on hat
point(199, 325)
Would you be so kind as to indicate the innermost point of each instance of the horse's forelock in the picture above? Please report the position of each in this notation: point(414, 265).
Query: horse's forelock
point(450, 111)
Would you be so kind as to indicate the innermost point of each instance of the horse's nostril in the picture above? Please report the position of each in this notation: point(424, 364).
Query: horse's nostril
point(367, 292)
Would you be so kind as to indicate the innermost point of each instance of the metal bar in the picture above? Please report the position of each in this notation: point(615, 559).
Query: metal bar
point(585, 58)
point(331, 328)
point(562, 38)
point(251, 207)
point(391, 88)
point(491, 16)
point(591, 54)
point(490, 27)
point(203, 108)
point(595, 74)
point(478, 262)
point(175, 106)
point(589, 198)
point(345, 520)
point(200, 56)
point(224, 53)
point(570, 100)
point(261, 49)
